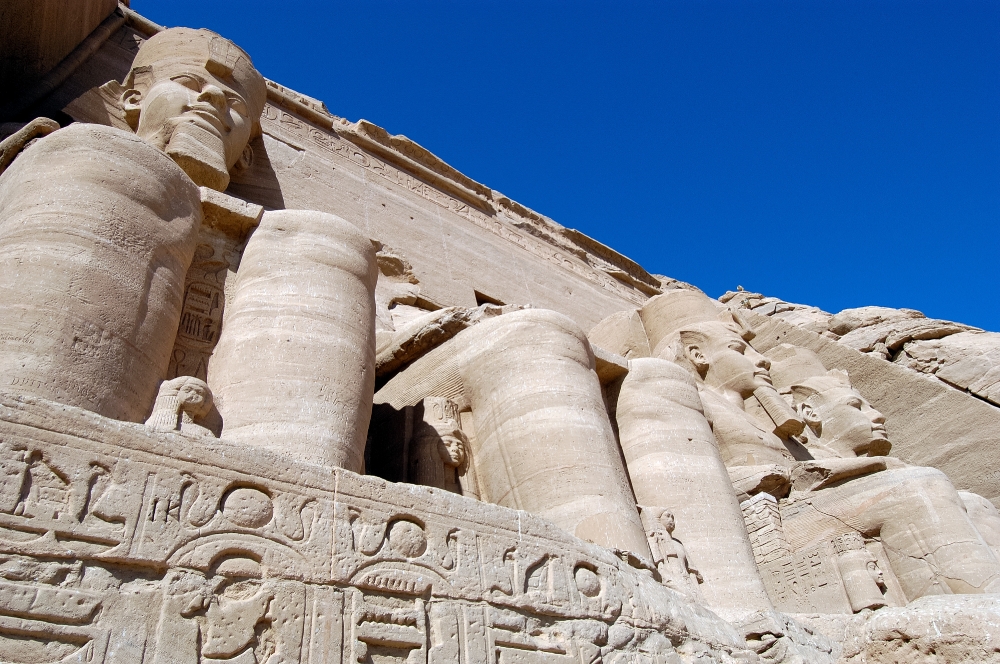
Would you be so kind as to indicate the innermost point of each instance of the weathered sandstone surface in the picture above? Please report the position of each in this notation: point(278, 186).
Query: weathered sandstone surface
point(277, 387)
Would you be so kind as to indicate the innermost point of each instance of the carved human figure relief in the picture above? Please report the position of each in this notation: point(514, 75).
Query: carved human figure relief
point(669, 555)
point(181, 402)
point(863, 580)
point(221, 618)
point(439, 453)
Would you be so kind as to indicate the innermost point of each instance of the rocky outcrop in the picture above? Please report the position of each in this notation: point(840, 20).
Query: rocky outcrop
point(961, 356)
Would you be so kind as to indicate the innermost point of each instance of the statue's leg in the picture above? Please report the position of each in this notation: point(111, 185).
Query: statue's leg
point(544, 442)
point(294, 367)
point(673, 460)
point(97, 232)
point(932, 545)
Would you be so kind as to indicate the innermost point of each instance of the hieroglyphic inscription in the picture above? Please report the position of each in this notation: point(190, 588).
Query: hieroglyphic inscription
point(804, 581)
point(278, 123)
point(123, 544)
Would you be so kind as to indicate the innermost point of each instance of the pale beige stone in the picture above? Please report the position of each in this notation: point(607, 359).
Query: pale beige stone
point(179, 404)
point(932, 630)
point(967, 360)
point(197, 97)
point(294, 367)
point(439, 453)
point(166, 548)
point(985, 516)
point(380, 266)
point(673, 461)
point(97, 230)
point(669, 555)
point(840, 422)
point(916, 513)
point(528, 377)
point(423, 331)
point(863, 580)
point(621, 333)
point(19, 137)
point(931, 422)
point(800, 315)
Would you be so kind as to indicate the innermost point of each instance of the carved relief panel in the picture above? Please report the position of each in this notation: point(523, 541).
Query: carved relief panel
point(123, 544)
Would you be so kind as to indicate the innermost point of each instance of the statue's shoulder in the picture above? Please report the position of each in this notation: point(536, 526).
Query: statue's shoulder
point(88, 133)
point(107, 151)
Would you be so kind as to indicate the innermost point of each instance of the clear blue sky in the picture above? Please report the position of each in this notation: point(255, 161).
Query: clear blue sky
point(836, 153)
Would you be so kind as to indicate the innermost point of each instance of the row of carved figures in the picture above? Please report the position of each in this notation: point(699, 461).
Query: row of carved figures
point(668, 405)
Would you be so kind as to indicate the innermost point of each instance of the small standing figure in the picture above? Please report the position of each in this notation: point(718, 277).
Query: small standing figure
point(669, 554)
point(180, 403)
point(863, 579)
point(439, 456)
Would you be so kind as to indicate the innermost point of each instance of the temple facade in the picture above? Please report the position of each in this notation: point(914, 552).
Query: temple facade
point(276, 386)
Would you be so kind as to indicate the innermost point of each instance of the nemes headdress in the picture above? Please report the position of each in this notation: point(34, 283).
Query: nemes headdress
point(175, 50)
point(799, 371)
point(669, 316)
point(664, 316)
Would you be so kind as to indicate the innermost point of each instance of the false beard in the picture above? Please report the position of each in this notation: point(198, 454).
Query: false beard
point(200, 154)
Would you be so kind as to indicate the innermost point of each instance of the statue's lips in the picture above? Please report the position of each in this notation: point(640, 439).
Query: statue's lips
point(878, 432)
point(763, 375)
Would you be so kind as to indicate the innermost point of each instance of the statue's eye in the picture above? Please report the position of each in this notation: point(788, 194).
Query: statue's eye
point(739, 348)
point(239, 106)
point(188, 82)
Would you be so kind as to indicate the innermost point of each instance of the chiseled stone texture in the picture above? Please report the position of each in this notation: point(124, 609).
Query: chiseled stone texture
point(542, 441)
point(930, 422)
point(932, 630)
point(135, 545)
point(964, 357)
point(97, 231)
point(658, 491)
point(293, 369)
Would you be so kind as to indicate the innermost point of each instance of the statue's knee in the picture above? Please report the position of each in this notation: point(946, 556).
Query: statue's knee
point(532, 335)
point(318, 238)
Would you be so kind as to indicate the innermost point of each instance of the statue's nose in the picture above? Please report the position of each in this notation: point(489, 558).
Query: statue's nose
point(214, 96)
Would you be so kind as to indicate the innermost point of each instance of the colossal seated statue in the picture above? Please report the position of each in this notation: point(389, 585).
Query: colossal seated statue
point(137, 289)
point(98, 229)
point(98, 226)
point(539, 433)
point(916, 513)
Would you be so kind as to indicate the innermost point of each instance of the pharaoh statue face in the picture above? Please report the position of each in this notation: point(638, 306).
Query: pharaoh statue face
point(825, 400)
point(876, 573)
point(667, 521)
point(452, 449)
point(196, 96)
point(195, 398)
point(844, 420)
point(723, 359)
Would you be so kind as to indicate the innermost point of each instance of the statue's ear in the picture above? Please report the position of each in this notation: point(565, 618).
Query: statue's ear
point(131, 101)
point(809, 415)
point(696, 357)
point(131, 98)
point(245, 161)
